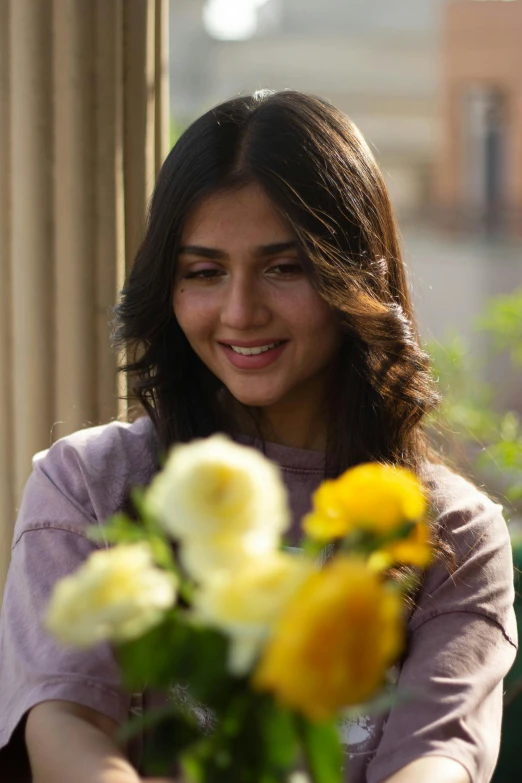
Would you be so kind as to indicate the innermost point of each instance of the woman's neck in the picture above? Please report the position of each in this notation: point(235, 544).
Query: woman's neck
point(296, 429)
point(286, 424)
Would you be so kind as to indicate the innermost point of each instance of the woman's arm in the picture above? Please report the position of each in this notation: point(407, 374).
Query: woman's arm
point(66, 742)
point(431, 769)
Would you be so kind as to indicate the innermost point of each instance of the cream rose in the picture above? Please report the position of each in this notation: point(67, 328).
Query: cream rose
point(245, 604)
point(201, 556)
point(216, 487)
point(117, 595)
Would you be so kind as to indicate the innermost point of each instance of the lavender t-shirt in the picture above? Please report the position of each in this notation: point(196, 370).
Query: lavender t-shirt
point(461, 635)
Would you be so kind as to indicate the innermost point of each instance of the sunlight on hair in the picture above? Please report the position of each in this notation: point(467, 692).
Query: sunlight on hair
point(231, 20)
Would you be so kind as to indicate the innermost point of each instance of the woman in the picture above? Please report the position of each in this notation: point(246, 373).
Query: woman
point(268, 300)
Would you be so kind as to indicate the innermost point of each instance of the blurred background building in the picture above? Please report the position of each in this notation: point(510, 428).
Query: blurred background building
point(479, 177)
point(436, 88)
point(378, 61)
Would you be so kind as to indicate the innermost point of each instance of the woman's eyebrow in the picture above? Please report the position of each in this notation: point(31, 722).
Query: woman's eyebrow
point(202, 252)
point(260, 252)
point(275, 248)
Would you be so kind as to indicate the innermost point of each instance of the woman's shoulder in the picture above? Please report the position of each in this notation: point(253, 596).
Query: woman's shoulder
point(472, 522)
point(86, 476)
point(113, 441)
point(110, 450)
point(481, 580)
point(455, 499)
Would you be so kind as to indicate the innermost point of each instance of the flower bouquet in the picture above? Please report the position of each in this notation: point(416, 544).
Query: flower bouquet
point(276, 643)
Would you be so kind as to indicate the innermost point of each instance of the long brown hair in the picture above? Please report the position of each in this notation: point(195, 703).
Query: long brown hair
point(320, 174)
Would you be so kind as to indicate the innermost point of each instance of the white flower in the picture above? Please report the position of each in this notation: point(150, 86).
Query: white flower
point(245, 604)
point(118, 594)
point(216, 487)
point(298, 777)
point(201, 556)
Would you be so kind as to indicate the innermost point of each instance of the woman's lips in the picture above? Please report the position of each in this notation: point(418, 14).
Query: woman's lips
point(255, 361)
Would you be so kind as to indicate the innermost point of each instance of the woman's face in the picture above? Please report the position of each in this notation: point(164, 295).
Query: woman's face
point(246, 305)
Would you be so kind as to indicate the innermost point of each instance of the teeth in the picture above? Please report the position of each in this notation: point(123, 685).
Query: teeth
point(253, 351)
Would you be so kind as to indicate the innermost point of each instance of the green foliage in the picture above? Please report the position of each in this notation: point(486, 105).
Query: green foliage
point(118, 530)
point(492, 442)
point(254, 741)
point(503, 321)
point(173, 733)
point(491, 438)
point(174, 651)
point(322, 751)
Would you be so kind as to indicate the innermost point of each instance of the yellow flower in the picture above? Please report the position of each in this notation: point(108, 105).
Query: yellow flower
point(116, 595)
point(334, 642)
point(245, 604)
point(216, 487)
point(328, 519)
point(373, 497)
point(414, 550)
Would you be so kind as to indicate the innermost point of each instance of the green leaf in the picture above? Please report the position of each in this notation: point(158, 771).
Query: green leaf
point(172, 737)
point(322, 750)
point(119, 529)
point(279, 734)
point(203, 664)
point(255, 741)
point(155, 658)
point(313, 548)
point(178, 651)
point(163, 554)
point(138, 496)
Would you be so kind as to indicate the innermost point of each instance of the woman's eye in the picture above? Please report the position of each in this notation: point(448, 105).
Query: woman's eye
point(287, 270)
point(202, 274)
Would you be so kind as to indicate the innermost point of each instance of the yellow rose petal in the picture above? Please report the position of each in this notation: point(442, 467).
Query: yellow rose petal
point(415, 550)
point(246, 603)
point(372, 497)
point(334, 642)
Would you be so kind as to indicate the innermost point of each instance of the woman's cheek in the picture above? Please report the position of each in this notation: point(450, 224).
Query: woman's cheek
point(195, 313)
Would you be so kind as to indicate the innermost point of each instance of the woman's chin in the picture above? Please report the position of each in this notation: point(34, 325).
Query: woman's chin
point(256, 402)
point(255, 399)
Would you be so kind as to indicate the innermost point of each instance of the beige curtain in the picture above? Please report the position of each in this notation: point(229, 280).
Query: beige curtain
point(84, 127)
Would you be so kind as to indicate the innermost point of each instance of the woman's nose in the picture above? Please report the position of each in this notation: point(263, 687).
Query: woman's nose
point(244, 306)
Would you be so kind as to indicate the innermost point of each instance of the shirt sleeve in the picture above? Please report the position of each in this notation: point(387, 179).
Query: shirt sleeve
point(461, 644)
point(49, 543)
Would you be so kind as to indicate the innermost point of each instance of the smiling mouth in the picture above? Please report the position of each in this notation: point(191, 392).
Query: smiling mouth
point(255, 351)
point(254, 357)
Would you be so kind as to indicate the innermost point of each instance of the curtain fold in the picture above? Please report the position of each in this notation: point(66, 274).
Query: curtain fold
point(83, 112)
